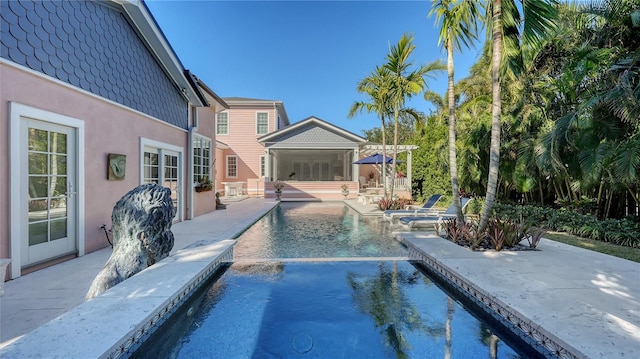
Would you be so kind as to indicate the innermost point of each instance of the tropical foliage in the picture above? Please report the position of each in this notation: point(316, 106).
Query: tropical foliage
point(548, 116)
point(623, 232)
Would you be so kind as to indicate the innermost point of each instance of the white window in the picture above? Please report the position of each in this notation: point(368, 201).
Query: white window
point(201, 158)
point(222, 123)
point(262, 166)
point(232, 166)
point(262, 123)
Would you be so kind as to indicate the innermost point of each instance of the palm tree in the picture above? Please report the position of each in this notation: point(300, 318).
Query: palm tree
point(376, 86)
point(536, 22)
point(458, 26)
point(405, 83)
point(384, 297)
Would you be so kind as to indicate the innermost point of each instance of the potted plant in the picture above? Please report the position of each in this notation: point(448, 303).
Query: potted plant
point(345, 190)
point(278, 185)
point(204, 184)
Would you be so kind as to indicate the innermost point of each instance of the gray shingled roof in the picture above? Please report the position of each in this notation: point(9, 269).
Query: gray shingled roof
point(310, 133)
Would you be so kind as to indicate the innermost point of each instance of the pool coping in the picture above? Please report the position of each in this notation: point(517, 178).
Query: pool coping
point(127, 313)
point(518, 323)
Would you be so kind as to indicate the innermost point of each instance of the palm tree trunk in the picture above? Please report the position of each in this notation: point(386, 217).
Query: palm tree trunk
point(570, 192)
point(496, 109)
point(395, 148)
point(384, 156)
point(559, 189)
point(493, 347)
point(448, 332)
point(609, 200)
point(453, 167)
point(599, 199)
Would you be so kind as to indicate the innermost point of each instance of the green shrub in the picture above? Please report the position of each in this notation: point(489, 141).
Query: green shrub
point(624, 232)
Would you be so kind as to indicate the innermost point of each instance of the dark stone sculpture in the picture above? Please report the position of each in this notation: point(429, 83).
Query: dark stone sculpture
point(142, 235)
point(219, 204)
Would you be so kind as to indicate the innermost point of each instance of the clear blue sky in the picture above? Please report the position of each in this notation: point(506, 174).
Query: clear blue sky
point(308, 54)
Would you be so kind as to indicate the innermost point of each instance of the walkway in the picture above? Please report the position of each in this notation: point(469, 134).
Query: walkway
point(36, 298)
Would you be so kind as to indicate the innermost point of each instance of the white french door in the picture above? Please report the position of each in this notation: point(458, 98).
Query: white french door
point(164, 166)
point(49, 196)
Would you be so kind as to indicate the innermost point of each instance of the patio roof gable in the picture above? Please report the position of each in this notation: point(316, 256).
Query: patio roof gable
point(311, 131)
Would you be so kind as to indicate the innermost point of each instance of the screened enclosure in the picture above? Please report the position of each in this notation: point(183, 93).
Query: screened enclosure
point(311, 165)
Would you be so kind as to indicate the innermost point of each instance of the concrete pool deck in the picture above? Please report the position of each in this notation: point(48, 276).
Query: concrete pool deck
point(590, 301)
point(32, 300)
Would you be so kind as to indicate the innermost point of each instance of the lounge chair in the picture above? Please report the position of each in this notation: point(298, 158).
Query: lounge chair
point(432, 219)
point(427, 207)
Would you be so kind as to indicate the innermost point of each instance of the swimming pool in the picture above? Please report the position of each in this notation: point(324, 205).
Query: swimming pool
point(317, 230)
point(382, 308)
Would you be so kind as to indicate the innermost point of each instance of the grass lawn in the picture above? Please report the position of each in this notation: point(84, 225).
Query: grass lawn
point(632, 254)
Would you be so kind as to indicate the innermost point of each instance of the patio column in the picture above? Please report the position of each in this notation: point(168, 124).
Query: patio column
point(409, 169)
point(355, 169)
point(267, 164)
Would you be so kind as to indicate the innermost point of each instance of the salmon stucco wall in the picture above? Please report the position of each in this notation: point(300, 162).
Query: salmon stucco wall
point(242, 140)
point(109, 128)
point(205, 202)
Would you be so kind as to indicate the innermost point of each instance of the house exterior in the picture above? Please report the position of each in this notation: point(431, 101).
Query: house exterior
point(94, 102)
point(257, 147)
point(240, 158)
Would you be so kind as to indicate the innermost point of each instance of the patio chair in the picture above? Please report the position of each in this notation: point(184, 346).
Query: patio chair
point(433, 218)
point(390, 214)
point(363, 182)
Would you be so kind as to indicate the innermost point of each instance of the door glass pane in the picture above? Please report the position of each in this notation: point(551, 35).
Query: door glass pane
point(37, 163)
point(38, 140)
point(58, 164)
point(58, 186)
point(38, 186)
point(37, 210)
point(151, 174)
point(58, 142)
point(58, 207)
point(58, 229)
point(38, 233)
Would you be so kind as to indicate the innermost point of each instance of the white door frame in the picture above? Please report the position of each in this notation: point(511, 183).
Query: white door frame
point(18, 231)
point(177, 150)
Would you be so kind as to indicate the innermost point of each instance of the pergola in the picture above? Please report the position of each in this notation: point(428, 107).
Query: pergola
point(371, 148)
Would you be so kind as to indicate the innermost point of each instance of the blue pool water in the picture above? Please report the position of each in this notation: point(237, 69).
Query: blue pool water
point(363, 309)
point(345, 306)
point(317, 230)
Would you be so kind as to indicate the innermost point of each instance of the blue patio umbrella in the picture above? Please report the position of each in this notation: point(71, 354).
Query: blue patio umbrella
point(374, 159)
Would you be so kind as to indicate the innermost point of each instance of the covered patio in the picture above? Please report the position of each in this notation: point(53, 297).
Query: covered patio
point(315, 160)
